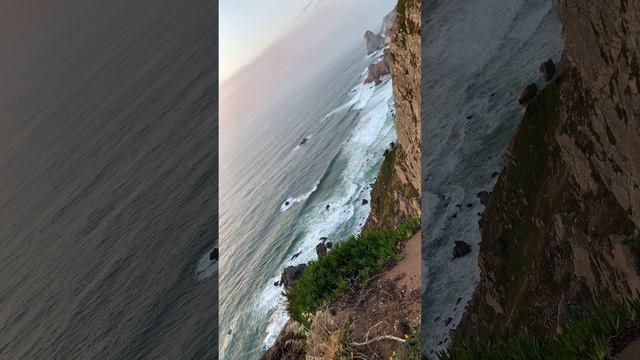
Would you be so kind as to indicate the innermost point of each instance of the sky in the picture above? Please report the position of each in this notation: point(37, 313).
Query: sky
point(247, 27)
point(280, 45)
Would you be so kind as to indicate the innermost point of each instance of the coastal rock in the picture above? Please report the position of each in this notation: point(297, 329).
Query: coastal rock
point(213, 255)
point(321, 249)
point(373, 42)
point(461, 249)
point(528, 93)
point(376, 71)
point(567, 201)
point(548, 70)
point(399, 183)
point(388, 24)
point(484, 197)
point(291, 274)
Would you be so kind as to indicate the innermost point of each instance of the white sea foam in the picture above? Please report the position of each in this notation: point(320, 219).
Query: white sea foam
point(363, 151)
point(290, 201)
point(206, 268)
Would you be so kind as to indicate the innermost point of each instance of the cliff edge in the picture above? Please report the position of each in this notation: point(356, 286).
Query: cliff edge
point(396, 192)
point(562, 225)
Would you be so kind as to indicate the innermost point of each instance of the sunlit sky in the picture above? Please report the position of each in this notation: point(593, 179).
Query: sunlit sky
point(247, 27)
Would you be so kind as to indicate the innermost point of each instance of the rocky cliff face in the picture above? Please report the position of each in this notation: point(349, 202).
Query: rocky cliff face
point(563, 221)
point(396, 193)
point(373, 42)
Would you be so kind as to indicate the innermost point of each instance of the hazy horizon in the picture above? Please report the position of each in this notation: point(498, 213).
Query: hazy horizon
point(305, 46)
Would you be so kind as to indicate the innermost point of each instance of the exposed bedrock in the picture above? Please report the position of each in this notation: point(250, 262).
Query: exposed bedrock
point(562, 223)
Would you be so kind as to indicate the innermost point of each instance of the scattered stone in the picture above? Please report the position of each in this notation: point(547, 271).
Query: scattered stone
point(528, 93)
point(365, 201)
point(291, 274)
point(321, 249)
point(214, 254)
point(405, 327)
point(461, 249)
point(484, 197)
point(548, 70)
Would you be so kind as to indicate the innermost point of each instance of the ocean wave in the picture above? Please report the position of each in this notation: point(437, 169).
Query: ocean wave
point(290, 201)
point(342, 210)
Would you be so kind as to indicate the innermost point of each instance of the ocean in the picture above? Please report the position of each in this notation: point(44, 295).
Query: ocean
point(478, 55)
point(108, 197)
point(274, 192)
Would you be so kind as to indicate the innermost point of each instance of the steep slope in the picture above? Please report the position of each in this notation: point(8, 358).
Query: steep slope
point(563, 220)
point(396, 195)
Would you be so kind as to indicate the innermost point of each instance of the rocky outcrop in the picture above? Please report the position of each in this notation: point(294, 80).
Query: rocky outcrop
point(563, 222)
point(460, 249)
point(396, 193)
point(528, 93)
point(373, 42)
point(291, 274)
point(376, 71)
point(388, 23)
point(548, 70)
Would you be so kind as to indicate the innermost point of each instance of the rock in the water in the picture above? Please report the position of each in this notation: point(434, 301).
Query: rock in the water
point(484, 197)
point(277, 283)
point(378, 70)
point(296, 255)
point(548, 70)
point(213, 255)
point(365, 201)
point(373, 41)
point(494, 175)
point(461, 249)
point(528, 93)
point(328, 244)
point(321, 249)
point(448, 321)
point(327, 207)
point(291, 274)
point(323, 239)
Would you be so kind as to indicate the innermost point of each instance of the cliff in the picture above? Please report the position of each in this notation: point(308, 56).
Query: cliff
point(395, 194)
point(562, 223)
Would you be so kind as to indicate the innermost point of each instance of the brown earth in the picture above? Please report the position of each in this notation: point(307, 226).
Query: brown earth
point(388, 305)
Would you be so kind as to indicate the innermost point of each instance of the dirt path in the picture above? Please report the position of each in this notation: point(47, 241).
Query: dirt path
point(389, 305)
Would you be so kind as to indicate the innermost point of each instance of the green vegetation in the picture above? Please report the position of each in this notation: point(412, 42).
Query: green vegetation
point(584, 337)
point(414, 346)
point(381, 196)
point(357, 258)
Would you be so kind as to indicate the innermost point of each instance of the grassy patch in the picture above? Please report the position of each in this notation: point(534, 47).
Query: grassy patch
point(585, 337)
point(356, 258)
point(381, 196)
